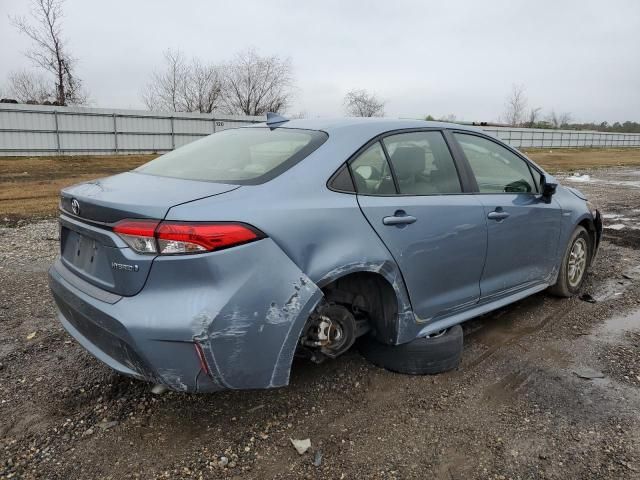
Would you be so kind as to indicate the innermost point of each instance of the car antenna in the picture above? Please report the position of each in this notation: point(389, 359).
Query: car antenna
point(274, 120)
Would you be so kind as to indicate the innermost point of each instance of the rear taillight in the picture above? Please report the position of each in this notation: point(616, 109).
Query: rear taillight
point(138, 234)
point(171, 238)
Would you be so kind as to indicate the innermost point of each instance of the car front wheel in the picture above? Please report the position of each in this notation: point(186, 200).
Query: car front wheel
point(574, 265)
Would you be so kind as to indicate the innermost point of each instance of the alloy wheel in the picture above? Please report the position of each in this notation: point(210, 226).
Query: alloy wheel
point(577, 262)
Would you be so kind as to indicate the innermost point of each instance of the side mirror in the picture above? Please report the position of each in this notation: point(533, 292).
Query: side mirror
point(548, 189)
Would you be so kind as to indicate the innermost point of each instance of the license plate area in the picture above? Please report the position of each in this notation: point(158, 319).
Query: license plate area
point(86, 256)
point(81, 251)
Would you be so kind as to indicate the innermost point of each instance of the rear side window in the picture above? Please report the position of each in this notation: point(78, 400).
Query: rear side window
point(497, 170)
point(242, 155)
point(422, 163)
point(341, 181)
point(371, 172)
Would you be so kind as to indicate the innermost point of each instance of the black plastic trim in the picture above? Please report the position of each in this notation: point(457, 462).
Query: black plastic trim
point(331, 183)
point(396, 185)
point(467, 178)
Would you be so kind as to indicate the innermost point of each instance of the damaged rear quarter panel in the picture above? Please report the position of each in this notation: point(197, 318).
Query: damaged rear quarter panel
point(322, 232)
point(246, 308)
point(314, 236)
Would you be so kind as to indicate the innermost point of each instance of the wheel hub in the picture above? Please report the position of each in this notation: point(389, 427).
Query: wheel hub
point(577, 263)
point(331, 331)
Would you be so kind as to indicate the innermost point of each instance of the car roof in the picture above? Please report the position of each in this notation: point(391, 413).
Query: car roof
point(372, 126)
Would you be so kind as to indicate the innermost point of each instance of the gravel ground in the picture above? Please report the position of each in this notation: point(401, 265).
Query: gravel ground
point(518, 407)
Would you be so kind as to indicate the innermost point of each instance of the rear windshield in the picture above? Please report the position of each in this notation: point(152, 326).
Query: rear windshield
point(242, 155)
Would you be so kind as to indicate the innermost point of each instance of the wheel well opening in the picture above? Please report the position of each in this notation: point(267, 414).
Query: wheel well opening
point(590, 227)
point(370, 295)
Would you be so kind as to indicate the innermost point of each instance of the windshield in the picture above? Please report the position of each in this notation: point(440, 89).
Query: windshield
point(242, 155)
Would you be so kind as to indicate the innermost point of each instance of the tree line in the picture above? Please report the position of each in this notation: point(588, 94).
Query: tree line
point(247, 84)
point(517, 113)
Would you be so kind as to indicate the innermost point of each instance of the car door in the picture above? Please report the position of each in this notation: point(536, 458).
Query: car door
point(410, 192)
point(523, 227)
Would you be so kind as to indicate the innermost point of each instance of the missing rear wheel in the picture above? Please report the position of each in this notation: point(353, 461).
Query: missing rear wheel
point(330, 331)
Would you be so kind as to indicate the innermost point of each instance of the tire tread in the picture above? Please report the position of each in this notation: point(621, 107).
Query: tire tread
point(423, 356)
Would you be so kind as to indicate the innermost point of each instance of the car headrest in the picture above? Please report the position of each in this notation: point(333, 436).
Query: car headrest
point(408, 161)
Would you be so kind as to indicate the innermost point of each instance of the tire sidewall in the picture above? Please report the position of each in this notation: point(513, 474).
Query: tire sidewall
point(579, 233)
point(422, 356)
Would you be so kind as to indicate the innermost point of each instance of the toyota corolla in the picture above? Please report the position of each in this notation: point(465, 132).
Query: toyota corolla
point(215, 264)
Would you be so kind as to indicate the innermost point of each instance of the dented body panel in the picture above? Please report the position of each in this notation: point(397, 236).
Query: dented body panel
point(247, 320)
point(231, 319)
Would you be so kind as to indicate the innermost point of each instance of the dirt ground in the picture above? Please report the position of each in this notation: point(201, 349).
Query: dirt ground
point(29, 186)
point(518, 407)
point(572, 159)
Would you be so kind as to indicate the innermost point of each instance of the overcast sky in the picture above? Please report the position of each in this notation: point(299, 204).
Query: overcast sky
point(421, 57)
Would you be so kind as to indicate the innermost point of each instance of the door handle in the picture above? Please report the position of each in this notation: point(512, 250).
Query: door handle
point(400, 217)
point(498, 214)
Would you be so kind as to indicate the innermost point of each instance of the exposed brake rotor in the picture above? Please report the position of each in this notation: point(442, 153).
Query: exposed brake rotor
point(331, 330)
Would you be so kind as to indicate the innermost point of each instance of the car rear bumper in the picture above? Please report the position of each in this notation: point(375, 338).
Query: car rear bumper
point(95, 325)
point(244, 307)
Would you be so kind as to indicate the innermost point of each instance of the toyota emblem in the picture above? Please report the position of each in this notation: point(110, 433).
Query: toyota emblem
point(75, 207)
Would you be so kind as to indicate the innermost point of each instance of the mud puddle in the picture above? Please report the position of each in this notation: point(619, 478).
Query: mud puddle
point(616, 327)
point(492, 332)
point(612, 288)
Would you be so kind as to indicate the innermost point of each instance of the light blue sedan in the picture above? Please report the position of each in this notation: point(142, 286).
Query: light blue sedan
point(210, 267)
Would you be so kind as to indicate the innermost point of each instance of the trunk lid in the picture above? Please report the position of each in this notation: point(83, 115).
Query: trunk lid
point(135, 195)
point(88, 246)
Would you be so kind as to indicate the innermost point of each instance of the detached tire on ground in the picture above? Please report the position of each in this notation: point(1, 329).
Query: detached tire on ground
point(423, 356)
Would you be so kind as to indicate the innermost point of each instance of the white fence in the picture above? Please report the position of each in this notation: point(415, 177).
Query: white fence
point(545, 138)
point(45, 130)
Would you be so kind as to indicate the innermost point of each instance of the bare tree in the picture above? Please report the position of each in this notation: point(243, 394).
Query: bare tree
point(533, 117)
point(559, 120)
point(515, 106)
point(360, 103)
point(164, 91)
point(255, 85)
point(29, 87)
point(203, 87)
point(49, 52)
point(565, 118)
point(184, 86)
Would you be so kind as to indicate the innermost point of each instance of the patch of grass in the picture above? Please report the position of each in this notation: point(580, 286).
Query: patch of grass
point(29, 186)
point(573, 159)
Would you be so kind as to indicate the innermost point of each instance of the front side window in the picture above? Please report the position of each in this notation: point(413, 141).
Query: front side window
point(241, 155)
point(422, 163)
point(371, 172)
point(537, 179)
point(497, 170)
